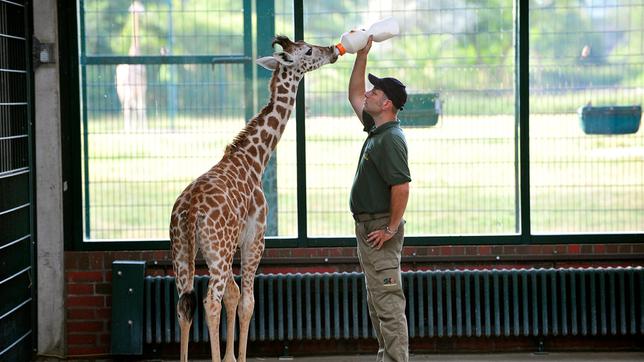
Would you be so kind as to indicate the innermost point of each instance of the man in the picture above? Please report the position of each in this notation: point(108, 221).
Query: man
point(378, 200)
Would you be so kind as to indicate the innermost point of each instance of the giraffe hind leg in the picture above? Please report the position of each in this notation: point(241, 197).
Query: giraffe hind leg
point(212, 309)
point(185, 312)
point(219, 261)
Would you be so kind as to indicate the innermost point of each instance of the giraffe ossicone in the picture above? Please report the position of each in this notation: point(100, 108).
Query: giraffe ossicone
point(224, 210)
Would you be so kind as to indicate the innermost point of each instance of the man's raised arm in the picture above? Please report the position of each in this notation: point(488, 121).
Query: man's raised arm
point(356, 82)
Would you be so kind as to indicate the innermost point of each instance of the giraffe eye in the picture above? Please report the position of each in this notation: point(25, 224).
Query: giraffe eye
point(310, 51)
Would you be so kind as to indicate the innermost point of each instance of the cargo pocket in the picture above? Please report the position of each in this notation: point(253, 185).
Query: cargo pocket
point(391, 262)
point(388, 293)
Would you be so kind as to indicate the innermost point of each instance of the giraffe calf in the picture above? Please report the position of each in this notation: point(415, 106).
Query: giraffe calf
point(224, 210)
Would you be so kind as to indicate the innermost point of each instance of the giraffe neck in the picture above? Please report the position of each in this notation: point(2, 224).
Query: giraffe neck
point(261, 135)
point(134, 45)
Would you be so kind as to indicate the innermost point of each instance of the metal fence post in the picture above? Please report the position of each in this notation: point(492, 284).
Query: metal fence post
point(265, 34)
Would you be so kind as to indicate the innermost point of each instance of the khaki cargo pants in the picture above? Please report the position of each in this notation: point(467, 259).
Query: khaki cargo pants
point(385, 296)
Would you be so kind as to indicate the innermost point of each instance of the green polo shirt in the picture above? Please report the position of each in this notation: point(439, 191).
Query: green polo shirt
point(383, 163)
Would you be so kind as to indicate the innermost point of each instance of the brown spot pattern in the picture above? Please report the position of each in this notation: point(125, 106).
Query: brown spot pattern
point(273, 122)
point(281, 110)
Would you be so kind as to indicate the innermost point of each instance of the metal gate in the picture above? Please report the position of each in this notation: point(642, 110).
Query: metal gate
point(16, 180)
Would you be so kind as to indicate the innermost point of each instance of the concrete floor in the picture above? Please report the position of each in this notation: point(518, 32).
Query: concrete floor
point(497, 357)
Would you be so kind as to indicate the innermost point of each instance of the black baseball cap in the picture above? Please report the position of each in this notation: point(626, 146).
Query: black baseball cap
point(393, 89)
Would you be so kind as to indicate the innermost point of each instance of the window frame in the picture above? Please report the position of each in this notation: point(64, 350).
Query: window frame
point(72, 157)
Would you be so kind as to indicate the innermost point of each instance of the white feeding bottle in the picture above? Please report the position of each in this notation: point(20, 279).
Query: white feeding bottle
point(354, 40)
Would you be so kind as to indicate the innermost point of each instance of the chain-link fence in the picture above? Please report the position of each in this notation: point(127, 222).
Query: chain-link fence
point(459, 54)
point(584, 181)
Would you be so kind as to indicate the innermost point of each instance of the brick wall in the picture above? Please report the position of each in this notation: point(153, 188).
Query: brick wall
point(88, 294)
point(88, 274)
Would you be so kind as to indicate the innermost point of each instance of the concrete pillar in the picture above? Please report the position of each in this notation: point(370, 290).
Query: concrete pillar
point(49, 189)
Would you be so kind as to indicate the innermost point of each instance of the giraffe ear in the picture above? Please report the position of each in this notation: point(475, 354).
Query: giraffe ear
point(269, 63)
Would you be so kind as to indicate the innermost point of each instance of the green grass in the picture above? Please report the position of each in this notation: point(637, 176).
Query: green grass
point(462, 170)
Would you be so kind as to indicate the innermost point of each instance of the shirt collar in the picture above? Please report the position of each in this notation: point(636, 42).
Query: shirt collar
point(383, 127)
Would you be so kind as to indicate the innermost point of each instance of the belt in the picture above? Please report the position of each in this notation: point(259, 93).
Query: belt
point(369, 217)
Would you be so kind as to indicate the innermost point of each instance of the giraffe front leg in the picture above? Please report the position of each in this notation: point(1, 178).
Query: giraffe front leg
point(245, 314)
point(212, 309)
point(231, 300)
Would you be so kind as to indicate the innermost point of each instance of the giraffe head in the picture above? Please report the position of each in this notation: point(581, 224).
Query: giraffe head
point(298, 56)
point(136, 7)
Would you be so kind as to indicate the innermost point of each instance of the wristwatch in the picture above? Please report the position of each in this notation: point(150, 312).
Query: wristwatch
point(389, 231)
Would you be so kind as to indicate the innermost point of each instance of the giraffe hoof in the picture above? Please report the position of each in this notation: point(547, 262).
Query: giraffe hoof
point(231, 359)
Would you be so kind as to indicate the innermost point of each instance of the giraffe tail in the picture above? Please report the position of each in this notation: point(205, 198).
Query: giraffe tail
point(188, 304)
point(184, 253)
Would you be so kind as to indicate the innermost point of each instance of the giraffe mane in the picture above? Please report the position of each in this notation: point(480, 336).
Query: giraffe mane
point(242, 136)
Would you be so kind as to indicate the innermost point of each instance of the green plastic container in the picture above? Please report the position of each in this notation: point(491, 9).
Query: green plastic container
point(421, 110)
point(610, 119)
